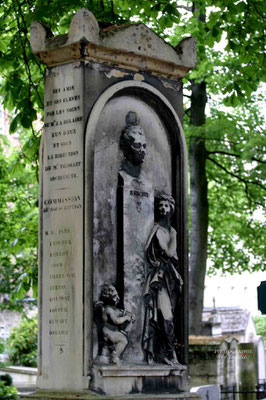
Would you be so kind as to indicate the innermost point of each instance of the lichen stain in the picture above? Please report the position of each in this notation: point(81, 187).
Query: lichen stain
point(138, 77)
point(115, 73)
point(169, 85)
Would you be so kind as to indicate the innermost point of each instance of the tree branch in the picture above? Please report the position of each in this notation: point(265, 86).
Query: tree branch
point(217, 140)
point(214, 178)
point(23, 32)
point(186, 8)
point(258, 11)
point(112, 11)
point(226, 153)
point(245, 181)
point(250, 199)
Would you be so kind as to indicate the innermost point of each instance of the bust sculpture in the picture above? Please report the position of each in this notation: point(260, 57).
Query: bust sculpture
point(133, 146)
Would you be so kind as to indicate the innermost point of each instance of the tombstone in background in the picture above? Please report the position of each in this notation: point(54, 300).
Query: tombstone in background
point(247, 370)
point(214, 361)
point(232, 362)
point(260, 359)
point(112, 263)
point(208, 392)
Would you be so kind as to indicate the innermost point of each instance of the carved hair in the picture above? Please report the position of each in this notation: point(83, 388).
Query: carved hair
point(132, 127)
point(165, 197)
point(109, 295)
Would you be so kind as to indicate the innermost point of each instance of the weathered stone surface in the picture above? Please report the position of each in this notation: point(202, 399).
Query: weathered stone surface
point(24, 378)
point(84, 224)
point(61, 222)
point(231, 368)
point(208, 392)
point(138, 213)
point(138, 198)
point(38, 35)
point(246, 365)
point(92, 396)
point(260, 358)
point(105, 149)
point(140, 39)
point(136, 379)
point(83, 27)
point(107, 161)
point(233, 321)
point(135, 46)
point(187, 50)
point(208, 360)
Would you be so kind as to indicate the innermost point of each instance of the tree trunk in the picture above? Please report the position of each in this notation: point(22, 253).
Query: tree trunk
point(199, 209)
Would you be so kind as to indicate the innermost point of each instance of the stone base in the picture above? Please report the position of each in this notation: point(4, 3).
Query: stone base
point(129, 382)
point(127, 379)
point(90, 396)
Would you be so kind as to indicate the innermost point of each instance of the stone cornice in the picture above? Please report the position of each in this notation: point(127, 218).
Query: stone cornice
point(134, 47)
point(114, 57)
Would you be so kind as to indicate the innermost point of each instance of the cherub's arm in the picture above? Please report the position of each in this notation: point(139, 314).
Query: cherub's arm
point(113, 315)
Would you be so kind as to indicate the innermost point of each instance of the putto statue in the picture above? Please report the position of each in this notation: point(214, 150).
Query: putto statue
point(133, 145)
point(162, 287)
point(113, 325)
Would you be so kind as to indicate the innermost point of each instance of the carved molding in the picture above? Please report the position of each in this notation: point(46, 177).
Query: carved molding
point(133, 46)
point(113, 57)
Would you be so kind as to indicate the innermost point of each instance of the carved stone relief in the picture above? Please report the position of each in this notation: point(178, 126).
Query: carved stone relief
point(113, 325)
point(133, 146)
point(131, 159)
point(162, 287)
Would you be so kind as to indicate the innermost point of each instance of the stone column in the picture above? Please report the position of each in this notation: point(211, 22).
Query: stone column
point(94, 79)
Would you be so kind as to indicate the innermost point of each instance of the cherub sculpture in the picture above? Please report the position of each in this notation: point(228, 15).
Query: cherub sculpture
point(113, 325)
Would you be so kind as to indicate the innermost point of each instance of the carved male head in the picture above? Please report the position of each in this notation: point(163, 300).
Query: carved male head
point(165, 205)
point(132, 140)
point(109, 295)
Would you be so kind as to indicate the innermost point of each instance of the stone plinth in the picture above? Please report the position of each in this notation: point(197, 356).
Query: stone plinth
point(95, 223)
point(138, 379)
point(91, 396)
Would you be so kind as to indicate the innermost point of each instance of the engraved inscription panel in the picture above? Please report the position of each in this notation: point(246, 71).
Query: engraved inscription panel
point(62, 225)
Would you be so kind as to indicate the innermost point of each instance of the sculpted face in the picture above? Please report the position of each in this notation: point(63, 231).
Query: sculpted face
point(109, 295)
point(164, 208)
point(137, 150)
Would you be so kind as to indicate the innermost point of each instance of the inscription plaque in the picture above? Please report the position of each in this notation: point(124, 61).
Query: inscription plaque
point(62, 225)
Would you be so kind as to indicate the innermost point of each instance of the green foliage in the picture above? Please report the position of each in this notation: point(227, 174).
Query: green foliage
point(235, 137)
point(260, 321)
point(236, 172)
point(232, 72)
point(22, 343)
point(7, 390)
point(7, 379)
point(235, 169)
point(22, 92)
point(18, 224)
point(2, 345)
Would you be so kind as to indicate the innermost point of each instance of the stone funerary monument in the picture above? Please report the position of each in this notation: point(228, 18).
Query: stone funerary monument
point(113, 213)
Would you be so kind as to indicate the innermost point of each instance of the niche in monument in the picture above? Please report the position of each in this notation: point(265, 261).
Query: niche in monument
point(138, 236)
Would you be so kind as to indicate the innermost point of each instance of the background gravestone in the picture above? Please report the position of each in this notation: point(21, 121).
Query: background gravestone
point(207, 392)
point(94, 225)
